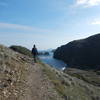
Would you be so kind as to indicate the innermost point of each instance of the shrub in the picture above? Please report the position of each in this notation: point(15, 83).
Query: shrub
point(22, 50)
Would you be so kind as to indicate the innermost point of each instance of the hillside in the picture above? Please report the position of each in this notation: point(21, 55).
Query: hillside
point(83, 54)
point(21, 49)
point(22, 79)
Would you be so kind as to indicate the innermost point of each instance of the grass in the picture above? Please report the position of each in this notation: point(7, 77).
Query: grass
point(22, 50)
point(52, 74)
point(87, 77)
point(63, 85)
point(64, 90)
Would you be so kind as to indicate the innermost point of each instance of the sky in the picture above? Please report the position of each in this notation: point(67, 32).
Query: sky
point(47, 23)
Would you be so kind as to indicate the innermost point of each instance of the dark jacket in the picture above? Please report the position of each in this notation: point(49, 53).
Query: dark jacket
point(34, 51)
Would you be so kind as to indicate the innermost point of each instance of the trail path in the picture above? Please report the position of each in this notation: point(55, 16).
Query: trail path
point(39, 86)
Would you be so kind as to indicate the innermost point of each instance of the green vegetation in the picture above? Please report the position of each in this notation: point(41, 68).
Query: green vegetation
point(71, 87)
point(54, 79)
point(91, 77)
point(22, 50)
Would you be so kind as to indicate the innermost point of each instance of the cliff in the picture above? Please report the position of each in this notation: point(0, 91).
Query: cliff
point(84, 53)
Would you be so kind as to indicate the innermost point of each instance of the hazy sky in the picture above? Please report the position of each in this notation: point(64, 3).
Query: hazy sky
point(47, 23)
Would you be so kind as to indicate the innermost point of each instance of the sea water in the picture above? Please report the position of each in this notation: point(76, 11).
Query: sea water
point(48, 59)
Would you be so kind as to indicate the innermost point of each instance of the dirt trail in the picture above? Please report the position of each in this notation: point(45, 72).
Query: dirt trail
point(39, 86)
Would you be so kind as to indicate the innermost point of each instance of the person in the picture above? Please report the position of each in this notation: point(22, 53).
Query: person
point(34, 53)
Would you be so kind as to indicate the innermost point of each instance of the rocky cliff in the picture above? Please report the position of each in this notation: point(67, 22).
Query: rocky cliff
point(84, 53)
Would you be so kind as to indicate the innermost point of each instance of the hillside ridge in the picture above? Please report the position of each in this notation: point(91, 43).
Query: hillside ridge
point(83, 54)
point(22, 79)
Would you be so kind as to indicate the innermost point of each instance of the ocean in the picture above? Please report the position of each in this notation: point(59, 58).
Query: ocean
point(48, 59)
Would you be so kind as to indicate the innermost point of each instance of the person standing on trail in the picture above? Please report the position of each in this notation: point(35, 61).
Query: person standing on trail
point(34, 53)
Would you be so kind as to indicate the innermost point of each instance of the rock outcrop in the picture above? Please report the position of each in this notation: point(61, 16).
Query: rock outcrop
point(84, 53)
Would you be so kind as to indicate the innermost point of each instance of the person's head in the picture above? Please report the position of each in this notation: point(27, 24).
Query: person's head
point(34, 46)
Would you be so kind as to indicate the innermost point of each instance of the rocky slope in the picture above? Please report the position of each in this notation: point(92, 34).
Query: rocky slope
point(22, 79)
point(84, 53)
